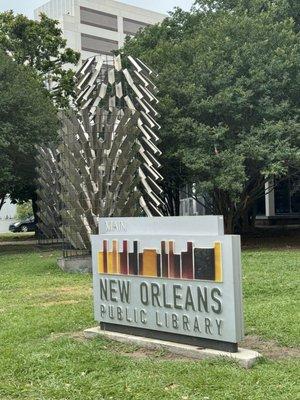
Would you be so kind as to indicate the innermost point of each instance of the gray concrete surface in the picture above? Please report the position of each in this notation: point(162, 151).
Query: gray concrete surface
point(19, 243)
point(82, 265)
point(246, 358)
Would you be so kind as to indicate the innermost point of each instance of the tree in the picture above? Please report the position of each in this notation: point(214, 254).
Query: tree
point(27, 118)
point(229, 100)
point(40, 45)
point(24, 211)
point(278, 9)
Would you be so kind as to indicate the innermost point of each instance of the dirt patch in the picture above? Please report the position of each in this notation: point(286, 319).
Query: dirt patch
point(269, 348)
point(70, 335)
point(137, 354)
point(143, 353)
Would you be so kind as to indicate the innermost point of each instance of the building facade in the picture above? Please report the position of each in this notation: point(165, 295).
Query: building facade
point(97, 26)
point(8, 210)
point(7, 215)
point(279, 205)
point(281, 202)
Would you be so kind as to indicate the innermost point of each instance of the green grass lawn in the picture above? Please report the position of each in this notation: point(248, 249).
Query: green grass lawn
point(43, 355)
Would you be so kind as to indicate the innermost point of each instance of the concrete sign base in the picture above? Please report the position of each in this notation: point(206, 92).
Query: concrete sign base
point(73, 265)
point(245, 358)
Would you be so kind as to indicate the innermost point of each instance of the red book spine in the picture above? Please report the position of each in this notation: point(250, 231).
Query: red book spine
point(164, 261)
point(187, 262)
point(174, 262)
point(105, 249)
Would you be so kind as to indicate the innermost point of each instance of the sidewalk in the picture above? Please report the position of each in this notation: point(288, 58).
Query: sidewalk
point(17, 243)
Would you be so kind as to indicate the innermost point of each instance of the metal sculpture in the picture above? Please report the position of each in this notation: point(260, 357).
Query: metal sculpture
point(108, 154)
point(99, 173)
point(112, 86)
point(48, 192)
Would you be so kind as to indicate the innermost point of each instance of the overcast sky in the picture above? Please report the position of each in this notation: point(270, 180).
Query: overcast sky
point(27, 6)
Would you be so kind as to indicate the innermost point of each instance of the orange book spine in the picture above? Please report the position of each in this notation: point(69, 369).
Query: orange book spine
point(149, 263)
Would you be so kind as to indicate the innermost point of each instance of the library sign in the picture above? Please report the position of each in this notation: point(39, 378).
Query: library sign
point(171, 278)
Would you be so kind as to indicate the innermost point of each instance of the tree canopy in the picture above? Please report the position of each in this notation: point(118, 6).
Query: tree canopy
point(27, 118)
point(40, 45)
point(277, 9)
point(24, 211)
point(229, 100)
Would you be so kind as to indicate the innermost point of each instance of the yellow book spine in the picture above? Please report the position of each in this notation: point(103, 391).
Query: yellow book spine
point(100, 262)
point(218, 262)
point(110, 269)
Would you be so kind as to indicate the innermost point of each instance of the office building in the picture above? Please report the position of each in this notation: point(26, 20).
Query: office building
point(97, 26)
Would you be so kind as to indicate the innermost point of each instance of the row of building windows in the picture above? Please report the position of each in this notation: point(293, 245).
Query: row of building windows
point(107, 21)
point(98, 45)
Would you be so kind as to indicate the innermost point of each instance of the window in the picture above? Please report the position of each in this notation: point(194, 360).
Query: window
point(287, 196)
point(131, 27)
point(99, 45)
point(98, 19)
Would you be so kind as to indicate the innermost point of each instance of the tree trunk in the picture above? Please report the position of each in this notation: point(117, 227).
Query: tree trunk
point(177, 202)
point(2, 200)
point(247, 220)
point(35, 211)
point(252, 218)
point(173, 201)
point(229, 225)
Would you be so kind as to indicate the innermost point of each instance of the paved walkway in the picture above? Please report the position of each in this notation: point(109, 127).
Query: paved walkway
point(19, 242)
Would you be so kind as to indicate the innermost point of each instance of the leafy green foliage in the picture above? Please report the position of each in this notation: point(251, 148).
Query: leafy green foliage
point(229, 99)
point(26, 114)
point(279, 9)
point(40, 45)
point(27, 118)
point(24, 210)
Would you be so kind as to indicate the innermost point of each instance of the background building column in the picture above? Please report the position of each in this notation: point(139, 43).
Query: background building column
point(121, 31)
point(270, 198)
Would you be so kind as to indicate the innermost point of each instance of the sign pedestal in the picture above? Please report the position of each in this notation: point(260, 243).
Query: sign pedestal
point(245, 358)
point(171, 337)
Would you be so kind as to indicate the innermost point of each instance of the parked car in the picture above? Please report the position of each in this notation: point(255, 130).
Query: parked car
point(27, 225)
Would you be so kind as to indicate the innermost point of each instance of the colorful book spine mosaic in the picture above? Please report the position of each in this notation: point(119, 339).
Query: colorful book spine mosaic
point(194, 263)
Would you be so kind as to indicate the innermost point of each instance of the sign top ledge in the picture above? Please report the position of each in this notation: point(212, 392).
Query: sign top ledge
point(197, 225)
